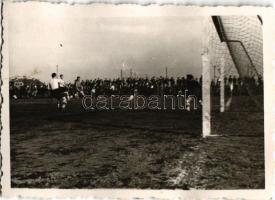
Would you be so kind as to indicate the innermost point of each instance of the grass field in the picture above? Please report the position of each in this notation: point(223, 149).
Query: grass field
point(133, 149)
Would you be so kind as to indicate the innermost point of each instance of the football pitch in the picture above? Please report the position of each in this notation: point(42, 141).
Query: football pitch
point(133, 149)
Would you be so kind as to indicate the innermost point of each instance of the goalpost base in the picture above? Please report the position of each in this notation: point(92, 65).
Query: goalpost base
point(212, 135)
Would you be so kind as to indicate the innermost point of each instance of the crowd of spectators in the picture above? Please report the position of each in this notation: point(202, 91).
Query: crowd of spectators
point(27, 88)
point(145, 86)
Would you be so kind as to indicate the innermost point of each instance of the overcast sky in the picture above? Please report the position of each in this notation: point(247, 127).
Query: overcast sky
point(87, 44)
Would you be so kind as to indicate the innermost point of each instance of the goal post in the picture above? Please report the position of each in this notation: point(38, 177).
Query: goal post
point(234, 46)
point(206, 79)
point(221, 81)
point(206, 99)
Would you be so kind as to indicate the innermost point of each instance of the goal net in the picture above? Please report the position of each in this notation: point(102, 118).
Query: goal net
point(233, 51)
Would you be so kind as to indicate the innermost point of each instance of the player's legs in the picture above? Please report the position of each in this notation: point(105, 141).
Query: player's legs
point(80, 93)
point(54, 94)
point(62, 96)
point(65, 91)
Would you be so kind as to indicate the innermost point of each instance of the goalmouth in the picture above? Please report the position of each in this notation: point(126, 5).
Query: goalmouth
point(233, 46)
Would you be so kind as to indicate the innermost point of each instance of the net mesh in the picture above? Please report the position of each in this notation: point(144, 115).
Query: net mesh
point(243, 35)
point(236, 45)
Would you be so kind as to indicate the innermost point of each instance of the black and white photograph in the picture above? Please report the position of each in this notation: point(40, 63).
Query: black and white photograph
point(121, 97)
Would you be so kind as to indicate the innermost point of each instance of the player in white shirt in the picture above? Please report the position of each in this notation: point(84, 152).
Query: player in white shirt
point(63, 87)
point(54, 83)
point(57, 92)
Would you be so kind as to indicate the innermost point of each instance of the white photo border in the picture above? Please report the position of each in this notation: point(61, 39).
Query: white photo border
point(268, 15)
